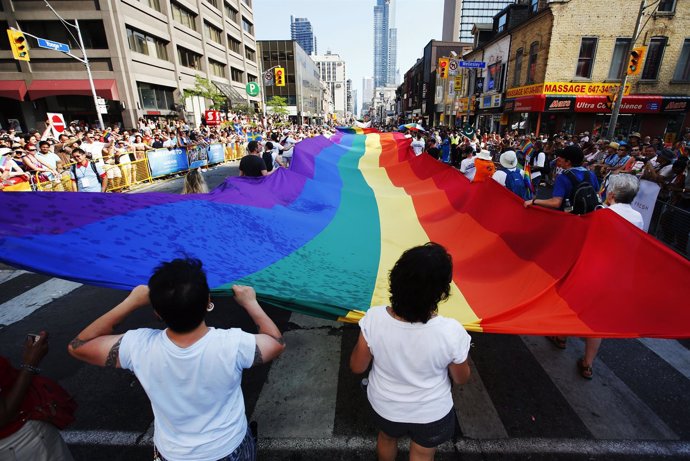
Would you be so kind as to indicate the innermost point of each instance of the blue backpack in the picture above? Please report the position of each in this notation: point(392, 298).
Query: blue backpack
point(516, 183)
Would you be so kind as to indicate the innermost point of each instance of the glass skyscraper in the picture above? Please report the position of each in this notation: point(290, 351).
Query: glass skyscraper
point(385, 43)
point(473, 12)
point(302, 33)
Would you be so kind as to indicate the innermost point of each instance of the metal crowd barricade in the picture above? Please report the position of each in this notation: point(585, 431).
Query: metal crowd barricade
point(671, 226)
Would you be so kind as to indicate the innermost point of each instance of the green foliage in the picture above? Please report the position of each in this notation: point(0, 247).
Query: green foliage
point(204, 88)
point(277, 105)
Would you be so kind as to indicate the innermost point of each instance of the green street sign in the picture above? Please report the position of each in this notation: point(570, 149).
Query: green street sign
point(253, 89)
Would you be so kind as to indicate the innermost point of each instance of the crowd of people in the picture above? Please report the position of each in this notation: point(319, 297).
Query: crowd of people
point(46, 160)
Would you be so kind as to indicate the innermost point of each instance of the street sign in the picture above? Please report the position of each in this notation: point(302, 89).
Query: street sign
point(101, 105)
point(51, 45)
point(253, 89)
point(57, 123)
point(472, 64)
point(268, 78)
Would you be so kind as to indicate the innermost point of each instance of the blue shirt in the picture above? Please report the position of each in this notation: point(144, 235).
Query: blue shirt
point(563, 187)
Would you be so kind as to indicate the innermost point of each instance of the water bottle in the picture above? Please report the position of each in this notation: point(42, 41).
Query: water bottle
point(567, 206)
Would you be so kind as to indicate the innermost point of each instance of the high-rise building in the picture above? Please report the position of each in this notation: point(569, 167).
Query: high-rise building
point(302, 33)
point(143, 56)
point(385, 43)
point(332, 71)
point(367, 92)
point(460, 15)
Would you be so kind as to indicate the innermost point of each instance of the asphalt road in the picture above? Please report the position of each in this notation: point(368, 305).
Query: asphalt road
point(525, 400)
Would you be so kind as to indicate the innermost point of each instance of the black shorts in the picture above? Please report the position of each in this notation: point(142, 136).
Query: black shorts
point(428, 435)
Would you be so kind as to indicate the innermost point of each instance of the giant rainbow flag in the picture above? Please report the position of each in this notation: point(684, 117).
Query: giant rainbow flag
point(320, 239)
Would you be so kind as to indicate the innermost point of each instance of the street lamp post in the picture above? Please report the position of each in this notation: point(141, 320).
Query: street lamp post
point(84, 59)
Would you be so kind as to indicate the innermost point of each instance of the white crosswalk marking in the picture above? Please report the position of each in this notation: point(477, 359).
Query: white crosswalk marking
point(672, 352)
point(302, 407)
point(606, 405)
point(6, 275)
point(26, 303)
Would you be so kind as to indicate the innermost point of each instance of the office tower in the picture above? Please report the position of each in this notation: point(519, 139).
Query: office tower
point(460, 15)
point(302, 33)
point(385, 43)
point(332, 70)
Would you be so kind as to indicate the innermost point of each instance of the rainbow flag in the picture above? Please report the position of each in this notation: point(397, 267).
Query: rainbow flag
point(528, 151)
point(321, 237)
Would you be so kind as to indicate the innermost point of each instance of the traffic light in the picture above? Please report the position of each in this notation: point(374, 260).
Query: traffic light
point(636, 58)
point(279, 76)
point(19, 45)
point(443, 67)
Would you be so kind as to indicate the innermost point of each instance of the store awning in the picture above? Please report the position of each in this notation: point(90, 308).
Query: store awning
point(634, 104)
point(105, 88)
point(13, 89)
point(231, 93)
point(533, 103)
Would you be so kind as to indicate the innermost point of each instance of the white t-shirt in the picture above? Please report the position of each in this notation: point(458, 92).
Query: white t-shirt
point(195, 392)
point(418, 146)
point(409, 379)
point(288, 146)
point(94, 148)
point(467, 168)
point(628, 213)
point(540, 161)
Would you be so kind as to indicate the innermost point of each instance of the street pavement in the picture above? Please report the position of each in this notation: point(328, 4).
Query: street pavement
point(525, 399)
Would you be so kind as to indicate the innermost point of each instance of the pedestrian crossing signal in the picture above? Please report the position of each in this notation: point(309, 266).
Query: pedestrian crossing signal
point(443, 67)
point(19, 45)
point(635, 62)
point(279, 76)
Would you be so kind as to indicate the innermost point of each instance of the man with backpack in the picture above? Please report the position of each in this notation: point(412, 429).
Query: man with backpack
point(575, 190)
point(511, 176)
point(86, 175)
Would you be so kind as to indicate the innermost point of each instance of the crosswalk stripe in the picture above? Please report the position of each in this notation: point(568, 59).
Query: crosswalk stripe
point(476, 413)
point(292, 407)
point(606, 405)
point(26, 303)
point(6, 275)
point(672, 352)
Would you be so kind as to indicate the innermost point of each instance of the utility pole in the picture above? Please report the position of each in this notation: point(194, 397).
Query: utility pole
point(624, 78)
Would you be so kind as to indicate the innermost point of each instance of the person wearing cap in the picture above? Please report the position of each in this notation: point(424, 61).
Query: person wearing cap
point(634, 139)
point(659, 169)
point(568, 158)
point(484, 166)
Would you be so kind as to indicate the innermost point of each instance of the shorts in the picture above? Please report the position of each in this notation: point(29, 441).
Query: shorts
point(428, 435)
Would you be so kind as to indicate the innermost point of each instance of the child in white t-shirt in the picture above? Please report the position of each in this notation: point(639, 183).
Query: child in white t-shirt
point(415, 354)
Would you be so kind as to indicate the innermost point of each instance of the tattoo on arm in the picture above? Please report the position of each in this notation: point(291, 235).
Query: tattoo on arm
point(258, 359)
point(111, 360)
point(76, 343)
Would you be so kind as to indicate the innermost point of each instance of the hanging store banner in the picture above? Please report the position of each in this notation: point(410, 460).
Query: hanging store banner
point(630, 104)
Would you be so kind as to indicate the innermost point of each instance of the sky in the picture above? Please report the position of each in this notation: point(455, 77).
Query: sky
point(346, 27)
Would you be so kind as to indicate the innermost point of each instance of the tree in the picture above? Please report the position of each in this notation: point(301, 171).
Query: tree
point(277, 105)
point(204, 88)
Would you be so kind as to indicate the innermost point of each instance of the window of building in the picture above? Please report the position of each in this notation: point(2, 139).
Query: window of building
point(189, 58)
point(585, 63)
point(682, 73)
point(667, 6)
point(217, 68)
point(147, 44)
point(518, 67)
point(251, 78)
point(213, 33)
point(213, 2)
point(234, 44)
point(532, 63)
point(502, 23)
point(247, 26)
point(249, 53)
point(533, 6)
point(655, 53)
point(155, 96)
point(183, 16)
point(619, 59)
point(247, 2)
point(92, 31)
point(231, 13)
point(155, 4)
point(236, 75)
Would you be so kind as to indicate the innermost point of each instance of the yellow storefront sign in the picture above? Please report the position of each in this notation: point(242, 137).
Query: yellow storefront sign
point(569, 88)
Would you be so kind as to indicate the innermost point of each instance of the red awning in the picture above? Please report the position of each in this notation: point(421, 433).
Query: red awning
point(533, 103)
point(13, 89)
point(633, 104)
point(105, 88)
